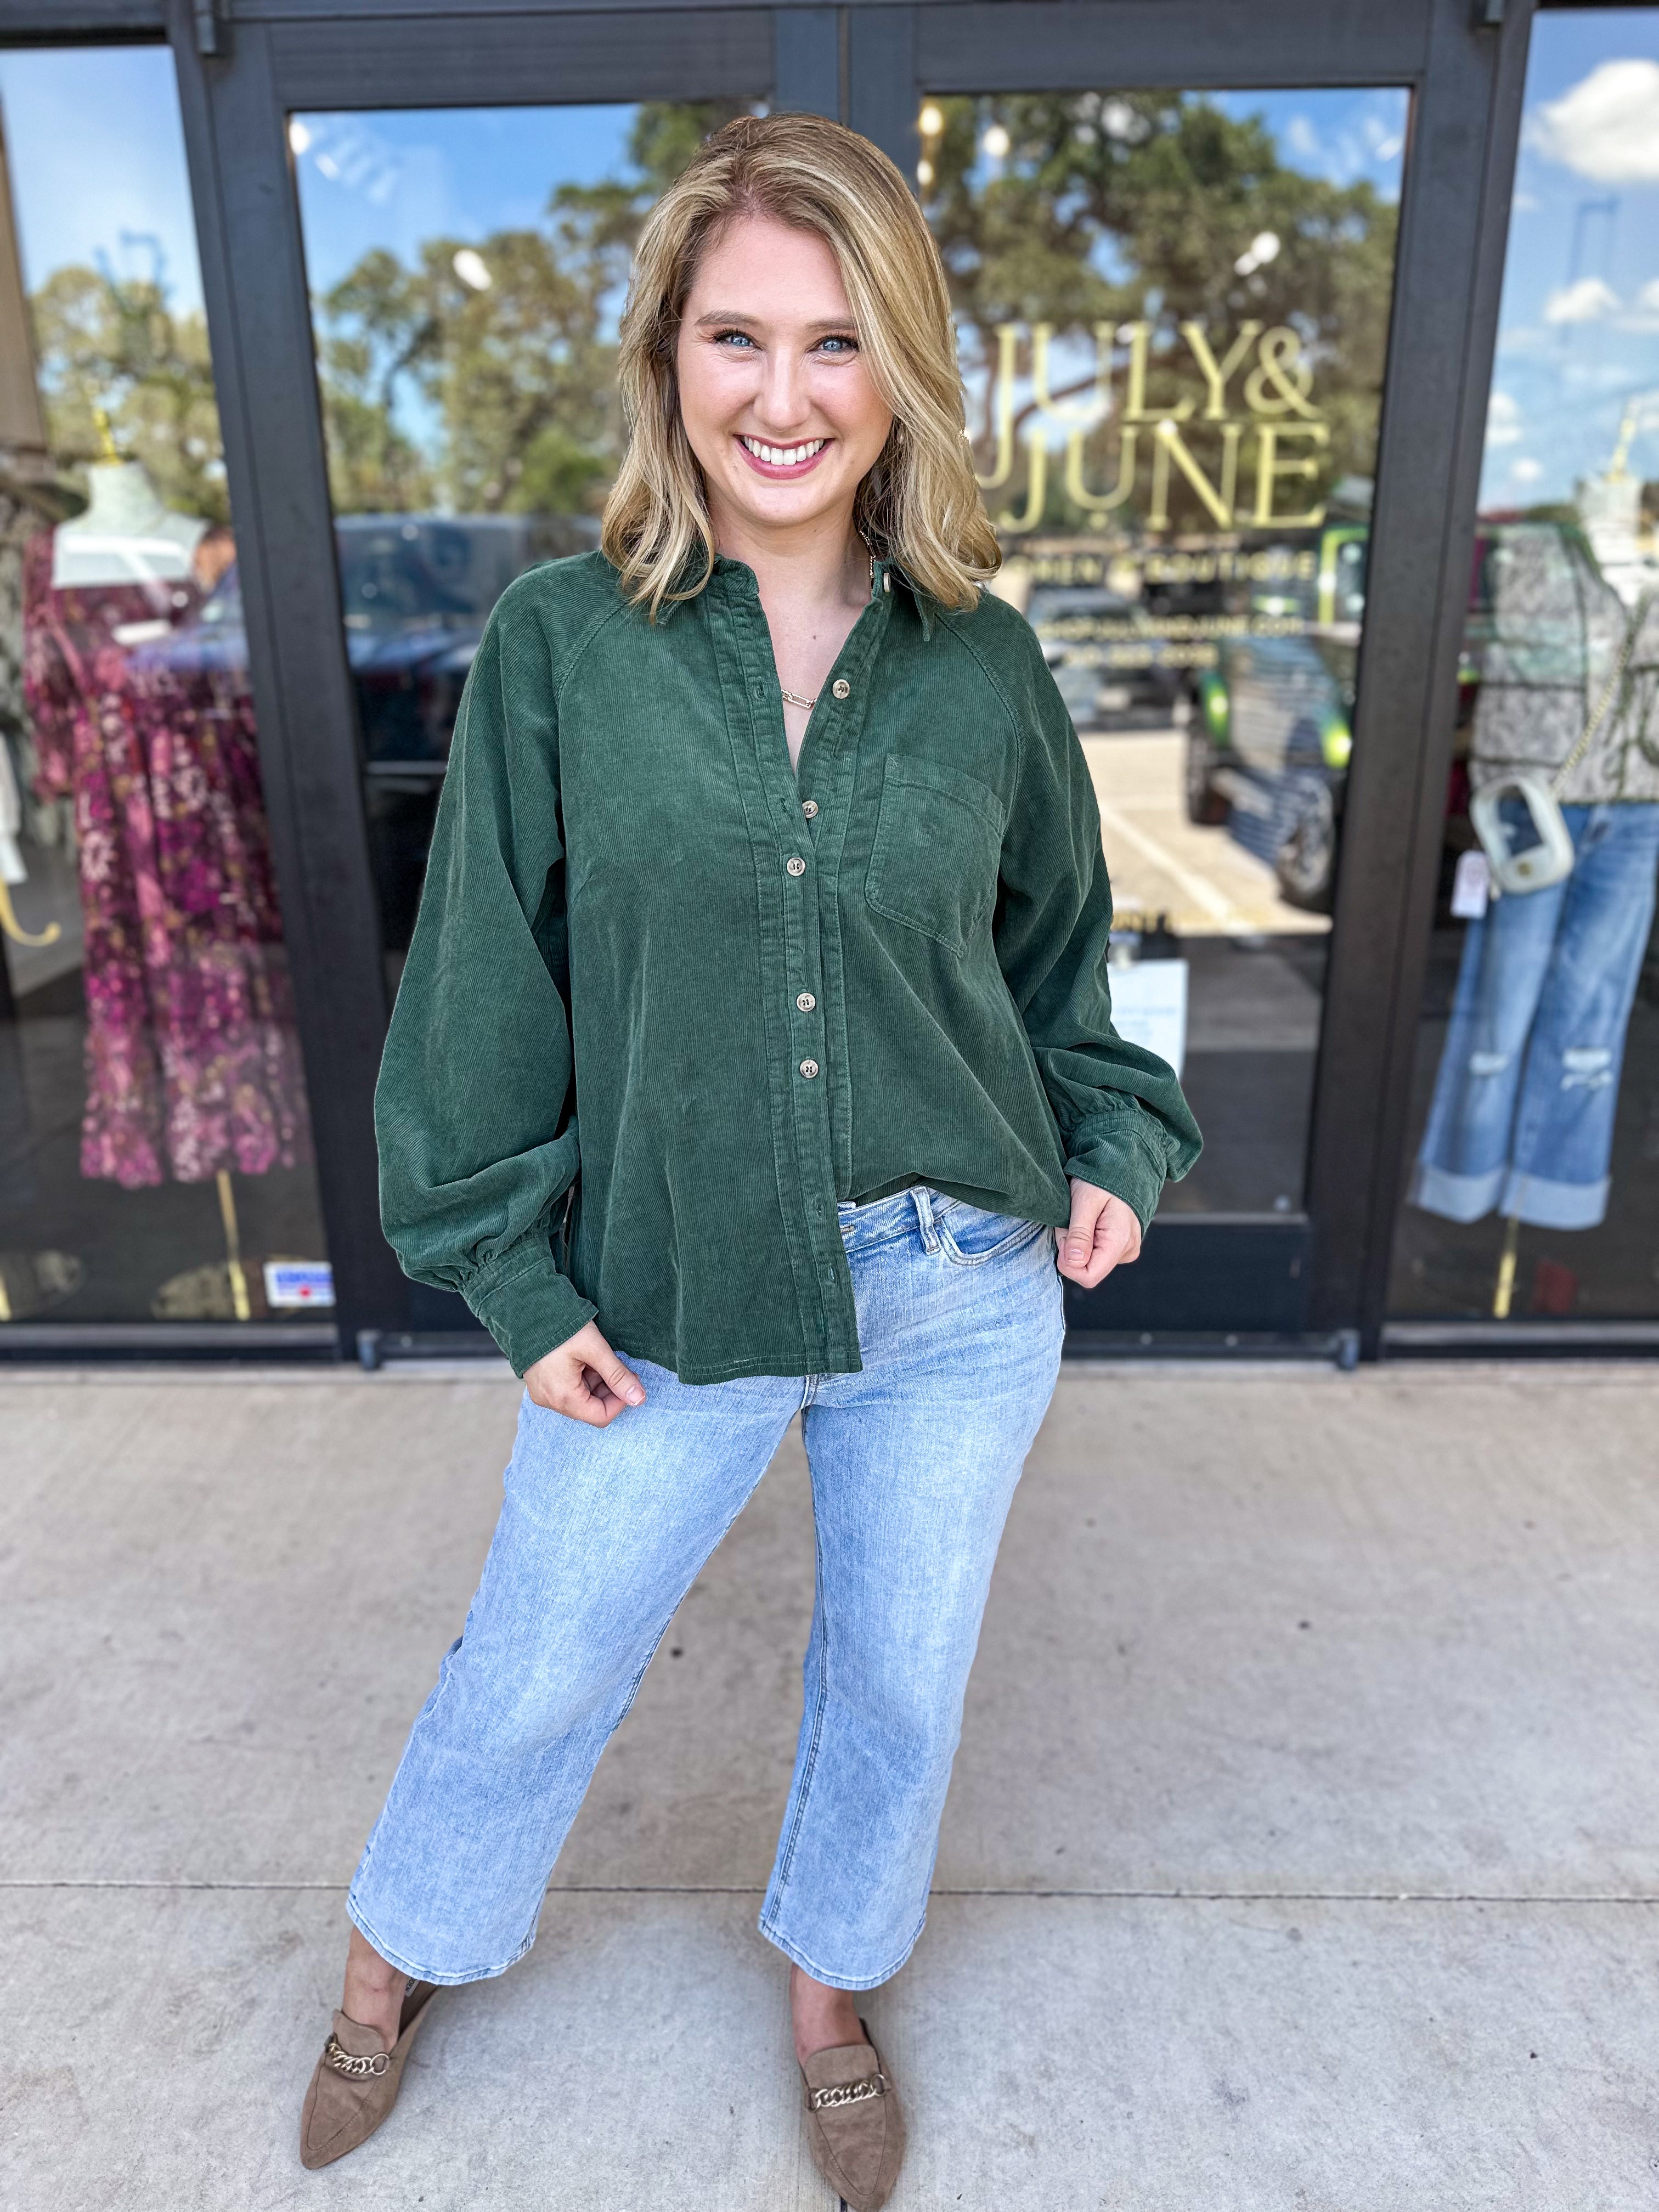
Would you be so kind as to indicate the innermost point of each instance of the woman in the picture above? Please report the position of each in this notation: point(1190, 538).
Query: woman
point(766, 849)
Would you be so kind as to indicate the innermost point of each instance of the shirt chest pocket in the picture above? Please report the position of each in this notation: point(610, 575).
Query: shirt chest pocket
point(938, 848)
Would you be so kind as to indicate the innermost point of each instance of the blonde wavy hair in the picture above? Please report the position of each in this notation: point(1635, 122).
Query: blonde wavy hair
point(919, 504)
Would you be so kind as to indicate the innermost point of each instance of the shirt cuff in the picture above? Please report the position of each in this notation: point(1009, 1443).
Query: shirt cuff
point(530, 1308)
point(1121, 1152)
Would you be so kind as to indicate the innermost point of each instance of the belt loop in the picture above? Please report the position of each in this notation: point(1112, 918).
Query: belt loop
point(922, 1199)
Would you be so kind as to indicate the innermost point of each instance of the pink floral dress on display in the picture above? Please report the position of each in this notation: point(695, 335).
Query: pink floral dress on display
point(192, 1062)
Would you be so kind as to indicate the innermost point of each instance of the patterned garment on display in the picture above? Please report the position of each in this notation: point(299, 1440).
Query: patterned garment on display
point(1554, 633)
point(192, 1062)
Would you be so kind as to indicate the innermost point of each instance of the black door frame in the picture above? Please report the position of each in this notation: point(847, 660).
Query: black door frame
point(243, 65)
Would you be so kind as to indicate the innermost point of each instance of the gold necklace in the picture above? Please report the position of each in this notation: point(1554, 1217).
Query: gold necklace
point(794, 697)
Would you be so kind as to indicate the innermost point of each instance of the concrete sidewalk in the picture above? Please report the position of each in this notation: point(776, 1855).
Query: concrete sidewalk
point(1300, 1856)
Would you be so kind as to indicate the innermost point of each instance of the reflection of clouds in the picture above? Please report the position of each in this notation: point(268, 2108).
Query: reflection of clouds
point(1607, 126)
point(1609, 376)
point(1586, 302)
point(1503, 420)
point(349, 152)
point(1361, 144)
point(363, 190)
point(1301, 137)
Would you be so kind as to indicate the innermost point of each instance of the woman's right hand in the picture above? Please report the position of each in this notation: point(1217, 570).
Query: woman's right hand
point(584, 1378)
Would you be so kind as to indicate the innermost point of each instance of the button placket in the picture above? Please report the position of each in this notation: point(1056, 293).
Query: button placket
point(789, 957)
point(819, 1116)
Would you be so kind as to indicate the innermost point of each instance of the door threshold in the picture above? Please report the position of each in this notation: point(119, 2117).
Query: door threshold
point(1521, 1340)
point(1335, 1347)
point(87, 1341)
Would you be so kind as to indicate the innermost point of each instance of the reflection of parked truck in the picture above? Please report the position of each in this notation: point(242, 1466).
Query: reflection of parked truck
point(416, 591)
point(1270, 729)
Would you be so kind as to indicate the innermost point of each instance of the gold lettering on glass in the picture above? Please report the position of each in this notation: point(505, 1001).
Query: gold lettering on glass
point(1261, 380)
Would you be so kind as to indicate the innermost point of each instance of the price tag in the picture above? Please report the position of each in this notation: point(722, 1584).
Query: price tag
point(299, 1283)
point(1471, 885)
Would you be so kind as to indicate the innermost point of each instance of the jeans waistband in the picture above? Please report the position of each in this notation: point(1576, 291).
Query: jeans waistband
point(879, 1220)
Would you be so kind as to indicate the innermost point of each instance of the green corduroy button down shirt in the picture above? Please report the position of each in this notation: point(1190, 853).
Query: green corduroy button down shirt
point(668, 999)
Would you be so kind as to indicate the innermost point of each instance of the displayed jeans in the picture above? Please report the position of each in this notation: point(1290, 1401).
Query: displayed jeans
point(1524, 1102)
point(914, 1462)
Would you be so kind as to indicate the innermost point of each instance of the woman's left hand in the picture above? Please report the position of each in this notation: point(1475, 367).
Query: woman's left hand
point(1103, 1233)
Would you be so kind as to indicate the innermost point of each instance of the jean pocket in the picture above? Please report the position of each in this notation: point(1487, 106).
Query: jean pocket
point(971, 1235)
point(938, 851)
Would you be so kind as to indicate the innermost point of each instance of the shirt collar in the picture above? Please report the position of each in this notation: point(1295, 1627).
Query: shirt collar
point(738, 576)
point(882, 578)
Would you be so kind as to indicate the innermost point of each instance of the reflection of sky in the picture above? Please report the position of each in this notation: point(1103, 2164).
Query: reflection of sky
point(128, 207)
point(393, 179)
point(1579, 334)
point(1345, 137)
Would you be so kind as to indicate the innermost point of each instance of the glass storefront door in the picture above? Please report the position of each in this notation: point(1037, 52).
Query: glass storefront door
point(156, 1149)
point(1173, 314)
point(1533, 1195)
point(1177, 311)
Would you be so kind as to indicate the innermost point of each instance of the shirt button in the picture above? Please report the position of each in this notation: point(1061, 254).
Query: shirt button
point(841, 688)
point(809, 1067)
point(806, 1001)
point(809, 807)
point(795, 865)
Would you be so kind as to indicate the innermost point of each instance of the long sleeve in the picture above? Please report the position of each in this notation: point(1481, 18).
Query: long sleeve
point(475, 1106)
point(1122, 1119)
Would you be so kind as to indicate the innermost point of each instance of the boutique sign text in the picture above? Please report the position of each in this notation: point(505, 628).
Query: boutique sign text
point(1239, 429)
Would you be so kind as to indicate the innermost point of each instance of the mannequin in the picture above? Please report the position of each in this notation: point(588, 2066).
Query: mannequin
point(125, 535)
point(1524, 1101)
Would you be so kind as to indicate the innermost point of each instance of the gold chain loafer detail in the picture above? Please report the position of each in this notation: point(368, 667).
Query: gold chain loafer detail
point(853, 2123)
point(356, 2081)
point(347, 2061)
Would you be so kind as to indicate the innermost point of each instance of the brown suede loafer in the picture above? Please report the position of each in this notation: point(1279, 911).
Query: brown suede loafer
point(853, 2122)
point(355, 2084)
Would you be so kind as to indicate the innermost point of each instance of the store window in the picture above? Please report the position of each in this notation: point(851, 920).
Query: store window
point(1533, 1190)
point(467, 269)
point(1173, 315)
point(155, 1157)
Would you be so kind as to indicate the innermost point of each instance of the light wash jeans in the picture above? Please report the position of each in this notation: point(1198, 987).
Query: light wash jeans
point(1528, 1087)
point(914, 1463)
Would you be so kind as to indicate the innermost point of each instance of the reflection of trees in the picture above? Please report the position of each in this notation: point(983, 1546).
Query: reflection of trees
point(114, 348)
point(512, 380)
point(1106, 209)
point(1119, 207)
